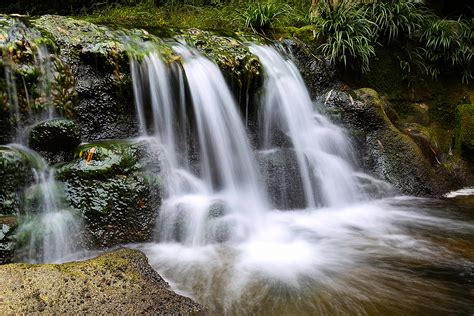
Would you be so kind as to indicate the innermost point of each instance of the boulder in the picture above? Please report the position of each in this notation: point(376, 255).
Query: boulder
point(115, 185)
point(8, 225)
point(55, 139)
point(387, 151)
point(15, 174)
point(119, 282)
point(54, 135)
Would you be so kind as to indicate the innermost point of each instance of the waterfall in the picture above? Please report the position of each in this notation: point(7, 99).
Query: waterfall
point(48, 232)
point(216, 197)
point(322, 149)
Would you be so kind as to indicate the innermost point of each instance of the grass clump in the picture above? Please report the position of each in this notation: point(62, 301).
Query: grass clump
point(347, 34)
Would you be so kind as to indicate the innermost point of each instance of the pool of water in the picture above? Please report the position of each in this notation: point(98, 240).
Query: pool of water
point(395, 256)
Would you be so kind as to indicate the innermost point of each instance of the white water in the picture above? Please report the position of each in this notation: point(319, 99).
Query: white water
point(219, 241)
point(218, 198)
point(323, 151)
point(48, 232)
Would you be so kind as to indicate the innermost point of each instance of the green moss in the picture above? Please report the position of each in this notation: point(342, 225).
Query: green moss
point(304, 34)
point(464, 133)
point(16, 173)
point(114, 186)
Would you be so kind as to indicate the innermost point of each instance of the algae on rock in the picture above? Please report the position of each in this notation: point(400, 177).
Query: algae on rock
point(119, 282)
point(115, 185)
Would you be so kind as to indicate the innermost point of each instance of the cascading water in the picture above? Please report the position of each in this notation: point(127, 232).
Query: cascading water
point(48, 232)
point(219, 241)
point(219, 198)
point(323, 151)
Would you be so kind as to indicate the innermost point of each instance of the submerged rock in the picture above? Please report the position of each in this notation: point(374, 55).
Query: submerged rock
point(119, 282)
point(115, 185)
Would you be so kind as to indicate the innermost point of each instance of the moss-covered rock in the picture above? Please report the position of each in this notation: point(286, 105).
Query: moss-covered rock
point(464, 133)
point(116, 188)
point(98, 59)
point(15, 173)
point(54, 138)
point(402, 157)
point(120, 282)
point(8, 225)
point(33, 80)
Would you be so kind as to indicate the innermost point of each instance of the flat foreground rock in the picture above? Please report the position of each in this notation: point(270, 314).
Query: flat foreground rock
point(119, 282)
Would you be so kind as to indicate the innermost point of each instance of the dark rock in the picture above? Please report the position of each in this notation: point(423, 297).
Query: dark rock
point(55, 135)
point(7, 241)
point(119, 282)
point(98, 61)
point(404, 160)
point(15, 174)
point(318, 73)
point(464, 133)
point(116, 188)
point(281, 177)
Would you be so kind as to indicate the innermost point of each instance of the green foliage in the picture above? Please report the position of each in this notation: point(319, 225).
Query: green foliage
point(348, 34)
point(447, 43)
point(261, 16)
point(395, 17)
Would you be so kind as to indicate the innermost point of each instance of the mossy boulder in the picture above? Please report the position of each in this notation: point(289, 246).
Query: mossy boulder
point(15, 173)
point(464, 133)
point(388, 151)
point(116, 187)
point(119, 282)
point(8, 225)
point(98, 59)
point(54, 138)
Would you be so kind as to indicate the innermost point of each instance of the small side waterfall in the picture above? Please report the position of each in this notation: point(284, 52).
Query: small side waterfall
point(323, 151)
point(216, 196)
point(48, 232)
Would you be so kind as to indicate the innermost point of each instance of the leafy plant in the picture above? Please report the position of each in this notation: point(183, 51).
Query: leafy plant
point(396, 17)
point(447, 43)
point(347, 33)
point(261, 16)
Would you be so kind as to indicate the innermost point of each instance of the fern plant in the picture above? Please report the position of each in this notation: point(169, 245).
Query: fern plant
point(447, 43)
point(347, 34)
point(396, 17)
point(261, 16)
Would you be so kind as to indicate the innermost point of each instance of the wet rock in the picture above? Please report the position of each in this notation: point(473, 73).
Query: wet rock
point(281, 177)
point(7, 241)
point(464, 133)
point(33, 80)
point(55, 139)
point(55, 135)
point(387, 151)
point(119, 282)
point(98, 60)
point(318, 73)
point(116, 187)
point(15, 174)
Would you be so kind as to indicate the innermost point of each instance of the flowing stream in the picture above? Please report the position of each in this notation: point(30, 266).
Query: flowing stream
point(220, 241)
